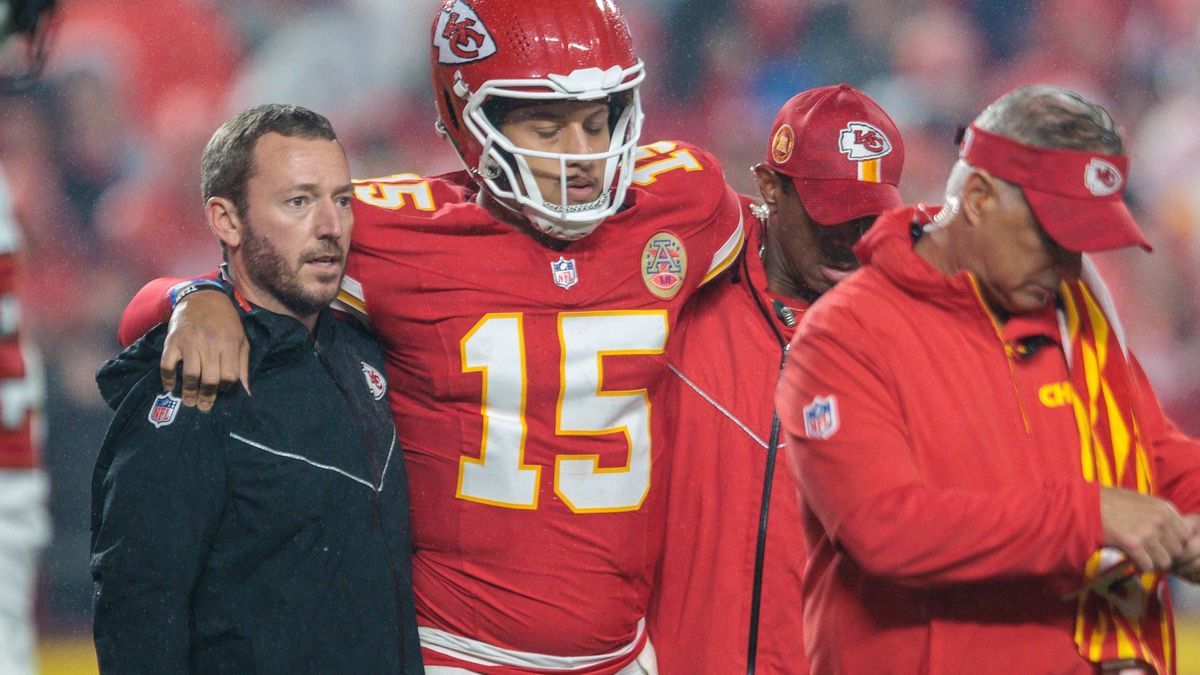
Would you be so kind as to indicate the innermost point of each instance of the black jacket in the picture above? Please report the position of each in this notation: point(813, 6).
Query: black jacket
point(270, 535)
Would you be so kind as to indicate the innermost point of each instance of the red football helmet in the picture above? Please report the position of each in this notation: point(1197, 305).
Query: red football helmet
point(537, 50)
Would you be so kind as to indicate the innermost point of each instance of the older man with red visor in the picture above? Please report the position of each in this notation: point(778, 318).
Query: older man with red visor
point(989, 482)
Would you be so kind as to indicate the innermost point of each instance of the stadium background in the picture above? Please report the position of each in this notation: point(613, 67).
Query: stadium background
point(103, 156)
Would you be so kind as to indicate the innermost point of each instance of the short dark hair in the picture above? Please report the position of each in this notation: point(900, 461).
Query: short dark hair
point(1052, 117)
point(228, 162)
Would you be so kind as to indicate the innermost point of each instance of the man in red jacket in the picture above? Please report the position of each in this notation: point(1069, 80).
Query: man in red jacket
point(734, 534)
point(989, 482)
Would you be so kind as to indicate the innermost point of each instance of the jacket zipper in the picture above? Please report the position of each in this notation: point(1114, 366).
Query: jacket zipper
point(764, 512)
point(1008, 351)
point(376, 509)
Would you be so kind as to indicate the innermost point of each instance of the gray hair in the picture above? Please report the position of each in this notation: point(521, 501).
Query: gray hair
point(1044, 116)
point(1052, 117)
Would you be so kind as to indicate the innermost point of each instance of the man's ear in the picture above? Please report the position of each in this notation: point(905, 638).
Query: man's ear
point(980, 194)
point(769, 185)
point(224, 221)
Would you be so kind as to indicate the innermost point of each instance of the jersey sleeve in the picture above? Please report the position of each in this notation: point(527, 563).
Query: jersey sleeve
point(863, 484)
point(690, 187)
point(150, 307)
point(728, 234)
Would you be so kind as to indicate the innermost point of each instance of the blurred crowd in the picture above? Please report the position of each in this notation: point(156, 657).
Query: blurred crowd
point(103, 156)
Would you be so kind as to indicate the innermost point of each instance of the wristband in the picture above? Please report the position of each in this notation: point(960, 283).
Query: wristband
point(185, 288)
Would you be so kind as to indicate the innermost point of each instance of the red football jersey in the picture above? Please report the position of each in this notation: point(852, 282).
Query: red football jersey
point(523, 382)
point(22, 385)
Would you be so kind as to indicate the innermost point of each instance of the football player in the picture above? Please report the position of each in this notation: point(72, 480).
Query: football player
point(24, 520)
point(521, 336)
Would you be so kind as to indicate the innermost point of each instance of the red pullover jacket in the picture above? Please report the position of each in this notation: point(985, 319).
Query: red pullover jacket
point(944, 504)
point(724, 361)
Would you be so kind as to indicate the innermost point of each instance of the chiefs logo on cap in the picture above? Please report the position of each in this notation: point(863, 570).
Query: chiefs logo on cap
point(460, 36)
point(1102, 178)
point(859, 141)
point(782, 144)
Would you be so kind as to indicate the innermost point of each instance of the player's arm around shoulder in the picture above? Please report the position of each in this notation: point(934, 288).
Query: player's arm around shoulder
point(158, 490)
point(686, 185)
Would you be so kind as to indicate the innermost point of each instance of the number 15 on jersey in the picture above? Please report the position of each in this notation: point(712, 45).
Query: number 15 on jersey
point(495, 347)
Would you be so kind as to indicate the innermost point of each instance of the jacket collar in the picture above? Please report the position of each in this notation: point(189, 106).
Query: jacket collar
point(888, 248)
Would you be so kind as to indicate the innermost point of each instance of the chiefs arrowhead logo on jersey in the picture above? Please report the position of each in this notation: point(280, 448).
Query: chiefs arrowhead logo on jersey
point(375, 382)
point(460, 36)
point(664, 264)
point(1102, 178)
point(859, 141)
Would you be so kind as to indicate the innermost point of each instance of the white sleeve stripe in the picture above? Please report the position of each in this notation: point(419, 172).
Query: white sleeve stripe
point(484, 654)
point(728, 251)
point(353, 288)
point(351, 301)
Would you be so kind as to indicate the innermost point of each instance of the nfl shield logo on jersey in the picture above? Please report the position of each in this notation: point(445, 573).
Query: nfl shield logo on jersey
point(163, 411)
point(375, 381)
point(821, 417)
point(564, 272)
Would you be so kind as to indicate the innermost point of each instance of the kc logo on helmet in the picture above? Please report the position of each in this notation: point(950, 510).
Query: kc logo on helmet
point(860, 141)
point(460, 36)
point(1102, 178)
point(821, 417)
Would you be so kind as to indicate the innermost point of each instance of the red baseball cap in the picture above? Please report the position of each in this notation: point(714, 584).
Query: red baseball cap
point(842, 151)
point(1076, 195)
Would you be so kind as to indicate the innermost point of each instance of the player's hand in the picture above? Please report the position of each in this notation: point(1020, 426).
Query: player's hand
point(1187, 565)
point(206, 334)
point(1148, 529)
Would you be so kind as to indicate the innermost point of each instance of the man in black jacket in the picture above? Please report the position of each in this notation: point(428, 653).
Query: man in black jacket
point(270, 535)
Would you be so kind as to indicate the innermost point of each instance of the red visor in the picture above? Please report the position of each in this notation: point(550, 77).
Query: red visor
point(1076, 195)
